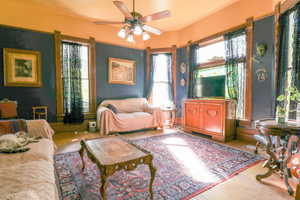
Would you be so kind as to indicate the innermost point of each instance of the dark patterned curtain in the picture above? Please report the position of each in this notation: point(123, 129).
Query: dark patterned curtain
point(149, 83)
point(71, 73)
point(192, 65)
point(170, 76)
point(283, 53)
point(296, 47)
point(235, 63)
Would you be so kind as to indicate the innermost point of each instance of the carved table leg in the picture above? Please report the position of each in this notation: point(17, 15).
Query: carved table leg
point(81, 153)
point(103, 184)
point(271, 163)
point(286, 176)
point(152, 172)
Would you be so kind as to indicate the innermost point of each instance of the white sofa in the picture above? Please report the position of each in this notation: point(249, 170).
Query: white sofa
point(30, 175)
point(133, 114)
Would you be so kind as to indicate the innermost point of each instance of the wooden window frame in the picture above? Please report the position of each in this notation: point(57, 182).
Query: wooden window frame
point(172, 51)
point(215, 63)
point(59, 38)
point(249, 63)
point(280, 8)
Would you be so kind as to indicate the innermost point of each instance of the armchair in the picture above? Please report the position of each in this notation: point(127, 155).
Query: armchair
point(8, 109)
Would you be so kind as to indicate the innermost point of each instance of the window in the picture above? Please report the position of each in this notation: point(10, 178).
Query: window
point(68, 79)
point(222, 69)
point(75, 76)
point(290, 70)
point(162, 95)
point(211, 52)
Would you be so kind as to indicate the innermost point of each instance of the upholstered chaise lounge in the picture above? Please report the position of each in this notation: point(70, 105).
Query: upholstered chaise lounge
point(129, 115)
point(29, 175)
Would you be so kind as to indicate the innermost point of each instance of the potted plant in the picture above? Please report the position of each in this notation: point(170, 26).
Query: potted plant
point(281, 109)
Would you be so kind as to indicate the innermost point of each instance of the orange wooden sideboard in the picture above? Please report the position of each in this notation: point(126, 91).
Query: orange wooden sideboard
point(214, 117)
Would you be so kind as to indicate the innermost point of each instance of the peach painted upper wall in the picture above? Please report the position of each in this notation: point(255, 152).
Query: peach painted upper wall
point(166, 39)
point(20, 14)
point(33, 16)
point(231, 16)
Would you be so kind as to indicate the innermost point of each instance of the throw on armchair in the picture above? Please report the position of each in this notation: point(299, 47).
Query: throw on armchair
point(127, 115)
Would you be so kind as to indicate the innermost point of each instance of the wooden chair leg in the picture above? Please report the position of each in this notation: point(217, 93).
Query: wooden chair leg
point(256, 147)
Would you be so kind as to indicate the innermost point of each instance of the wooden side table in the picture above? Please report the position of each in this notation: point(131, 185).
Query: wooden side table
point(279, 152)
point(40, 112)
point(172, 113)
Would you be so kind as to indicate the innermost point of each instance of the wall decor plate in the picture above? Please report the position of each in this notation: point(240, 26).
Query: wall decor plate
point(182, 67)
point(182, 82)
point(261, 74)
point(121, 71)
point(22, 68)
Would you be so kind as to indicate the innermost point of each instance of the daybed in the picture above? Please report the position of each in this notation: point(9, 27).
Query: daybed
point(29, 175)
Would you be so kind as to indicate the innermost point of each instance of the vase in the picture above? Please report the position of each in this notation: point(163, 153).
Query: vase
point(280, 117)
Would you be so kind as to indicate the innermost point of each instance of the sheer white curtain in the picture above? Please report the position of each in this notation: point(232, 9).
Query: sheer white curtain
point(162, 95)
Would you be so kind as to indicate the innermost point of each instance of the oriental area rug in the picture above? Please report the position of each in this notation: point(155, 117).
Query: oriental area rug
point(187, 165)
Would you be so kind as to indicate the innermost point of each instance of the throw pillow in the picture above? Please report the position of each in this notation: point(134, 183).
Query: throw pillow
point(112, 108)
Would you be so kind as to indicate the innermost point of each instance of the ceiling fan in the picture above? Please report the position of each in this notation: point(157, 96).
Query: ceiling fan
point(134, 23)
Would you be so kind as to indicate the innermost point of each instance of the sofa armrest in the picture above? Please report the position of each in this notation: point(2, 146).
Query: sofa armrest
point(100, 110)
point(39, 128)
point(150, 109)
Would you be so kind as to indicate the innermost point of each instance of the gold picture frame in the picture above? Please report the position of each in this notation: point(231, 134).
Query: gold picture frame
point(121, 71)
point(22, 68)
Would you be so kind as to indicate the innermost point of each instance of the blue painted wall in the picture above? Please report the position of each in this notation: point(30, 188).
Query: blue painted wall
point(263, 99)
point(43, 42)
point(107, 91)
point(263, 91)
point(28, 97)
point(181, 91)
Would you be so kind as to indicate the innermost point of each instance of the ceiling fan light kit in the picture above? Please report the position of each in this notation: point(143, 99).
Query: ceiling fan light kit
point(135, 22)
point(130, 38)
point(122, 33)
point(146, 36)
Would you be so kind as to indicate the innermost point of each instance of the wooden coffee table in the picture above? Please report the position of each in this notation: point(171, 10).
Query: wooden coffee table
point(112, 154)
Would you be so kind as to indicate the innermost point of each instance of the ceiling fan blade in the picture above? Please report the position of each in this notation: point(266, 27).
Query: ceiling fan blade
point(107, 22)
point(156, 16)
point(123, 8)
point(151, 29)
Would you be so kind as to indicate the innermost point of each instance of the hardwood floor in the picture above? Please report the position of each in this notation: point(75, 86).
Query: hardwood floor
point(241, 187)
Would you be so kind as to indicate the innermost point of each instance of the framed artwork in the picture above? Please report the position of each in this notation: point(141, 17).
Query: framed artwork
point(121, 71)
point(22, 68)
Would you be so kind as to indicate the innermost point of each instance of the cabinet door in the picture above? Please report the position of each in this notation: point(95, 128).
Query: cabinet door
point(191, 114)
point(212, 116)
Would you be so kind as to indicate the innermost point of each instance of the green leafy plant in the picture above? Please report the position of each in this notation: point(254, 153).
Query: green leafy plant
point(294, 96)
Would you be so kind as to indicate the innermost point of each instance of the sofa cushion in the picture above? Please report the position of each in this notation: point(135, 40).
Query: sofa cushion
point(127, 105)
point(43, 150)
point(112, 108)
point(134, 115)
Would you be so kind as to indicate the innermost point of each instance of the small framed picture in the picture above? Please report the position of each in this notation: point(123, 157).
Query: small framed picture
point(121, 71)
point(22, 68)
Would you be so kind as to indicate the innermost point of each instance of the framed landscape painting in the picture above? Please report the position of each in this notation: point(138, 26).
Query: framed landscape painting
point(121, 71)
point(22, 68)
